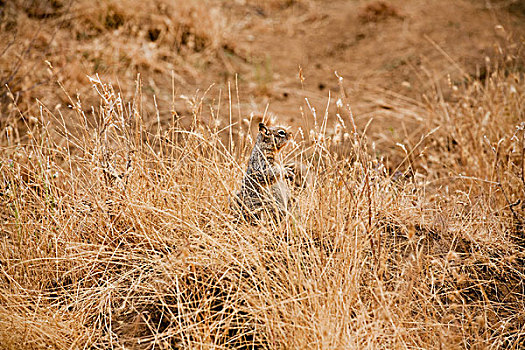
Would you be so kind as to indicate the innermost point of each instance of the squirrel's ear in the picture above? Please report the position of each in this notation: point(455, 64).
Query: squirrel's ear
point(263, 128)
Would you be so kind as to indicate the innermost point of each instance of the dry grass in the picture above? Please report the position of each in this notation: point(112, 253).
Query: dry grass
point(115, 228)
point(116, 232)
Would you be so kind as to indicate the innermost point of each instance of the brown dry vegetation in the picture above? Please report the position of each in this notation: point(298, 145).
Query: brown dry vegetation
point(115, 230)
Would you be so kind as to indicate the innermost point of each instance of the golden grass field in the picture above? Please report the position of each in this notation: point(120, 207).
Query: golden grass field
point(125, 130)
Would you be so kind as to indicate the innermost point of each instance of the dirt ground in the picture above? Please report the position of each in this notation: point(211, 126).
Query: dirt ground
point(275, 53)
point(399, 46)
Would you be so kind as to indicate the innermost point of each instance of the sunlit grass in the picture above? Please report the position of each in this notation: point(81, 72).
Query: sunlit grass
point(117, 232)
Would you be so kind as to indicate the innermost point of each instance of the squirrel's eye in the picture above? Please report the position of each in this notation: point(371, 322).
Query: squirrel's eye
point(282, 133)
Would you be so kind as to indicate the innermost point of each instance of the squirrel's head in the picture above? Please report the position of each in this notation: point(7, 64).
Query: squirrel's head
point(272, 139)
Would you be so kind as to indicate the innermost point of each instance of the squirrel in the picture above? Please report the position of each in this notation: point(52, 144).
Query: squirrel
point(265, 188)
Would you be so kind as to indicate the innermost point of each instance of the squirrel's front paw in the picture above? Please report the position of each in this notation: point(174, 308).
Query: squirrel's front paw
point(300, 174)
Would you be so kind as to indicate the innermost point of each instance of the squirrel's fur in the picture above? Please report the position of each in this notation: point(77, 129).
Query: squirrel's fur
point(264, 187)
